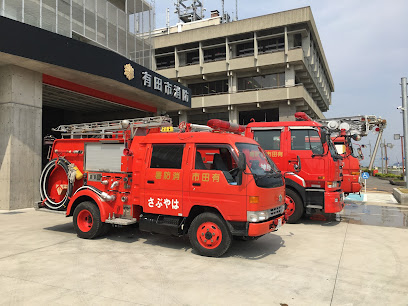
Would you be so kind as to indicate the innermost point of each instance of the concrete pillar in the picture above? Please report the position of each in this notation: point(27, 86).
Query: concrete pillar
point(290, 76)
point(233, 115)
point(20, 137)
point(233, 83)
point(183, 116)
point(287, 111)
point(306, 44)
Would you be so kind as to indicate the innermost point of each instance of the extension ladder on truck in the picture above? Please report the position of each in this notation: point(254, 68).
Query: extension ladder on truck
point(105, 128)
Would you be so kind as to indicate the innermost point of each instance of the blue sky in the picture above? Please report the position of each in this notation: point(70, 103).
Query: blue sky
point(366, 46)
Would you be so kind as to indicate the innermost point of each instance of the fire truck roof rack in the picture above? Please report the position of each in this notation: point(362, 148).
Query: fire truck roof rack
point(354, 125)
point(357, 127)
point(102, 129)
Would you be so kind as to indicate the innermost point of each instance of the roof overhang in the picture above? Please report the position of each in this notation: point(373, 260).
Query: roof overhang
point(87, 66)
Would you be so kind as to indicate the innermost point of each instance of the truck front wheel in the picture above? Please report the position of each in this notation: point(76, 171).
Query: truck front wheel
point(87, 220)
point(294, 205)
point(209, 235)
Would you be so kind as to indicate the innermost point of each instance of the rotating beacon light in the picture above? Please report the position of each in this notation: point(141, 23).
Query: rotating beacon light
point(221, 125)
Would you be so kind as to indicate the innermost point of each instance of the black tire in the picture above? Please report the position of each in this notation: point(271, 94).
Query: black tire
point(106, 228)
point(87, 220)
point(299, 208)
point(201, 226)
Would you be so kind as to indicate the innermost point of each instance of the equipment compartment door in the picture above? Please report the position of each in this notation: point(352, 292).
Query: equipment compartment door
point(164, 180)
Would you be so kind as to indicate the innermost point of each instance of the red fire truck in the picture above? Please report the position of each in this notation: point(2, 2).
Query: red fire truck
point(343, 131)
point(352, 182)
point(304, 152)
point(206, 184)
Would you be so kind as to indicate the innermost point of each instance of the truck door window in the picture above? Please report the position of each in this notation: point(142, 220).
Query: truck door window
point(167, 156)
point(268, 139)
point(306, 140)
point(216, 158)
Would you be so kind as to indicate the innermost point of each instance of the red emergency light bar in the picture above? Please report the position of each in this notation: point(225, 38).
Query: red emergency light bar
point(220, 125)
point(302, 116)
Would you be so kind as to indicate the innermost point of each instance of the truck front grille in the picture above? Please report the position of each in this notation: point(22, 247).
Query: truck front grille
point(277, 211)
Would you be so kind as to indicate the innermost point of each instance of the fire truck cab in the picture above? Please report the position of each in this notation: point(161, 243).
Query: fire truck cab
point(352, 182)
point(211, 185)
point(304, 152)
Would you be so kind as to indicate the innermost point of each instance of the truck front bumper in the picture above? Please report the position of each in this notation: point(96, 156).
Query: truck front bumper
point(257, 229)
point(333, 202)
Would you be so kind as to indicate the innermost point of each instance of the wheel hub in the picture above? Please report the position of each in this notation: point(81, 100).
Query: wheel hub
point(209, 235)
point(84, 220)
point(290, 206)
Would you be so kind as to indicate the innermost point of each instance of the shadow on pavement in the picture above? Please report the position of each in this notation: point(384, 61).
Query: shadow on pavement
point(252, 249)
point(62, 228)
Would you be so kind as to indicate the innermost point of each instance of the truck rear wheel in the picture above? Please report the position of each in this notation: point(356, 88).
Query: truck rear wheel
point(87, 220)
point(294, 204)
point(209, 235)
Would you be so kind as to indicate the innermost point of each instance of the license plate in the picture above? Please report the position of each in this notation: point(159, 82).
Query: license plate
point(279, 223)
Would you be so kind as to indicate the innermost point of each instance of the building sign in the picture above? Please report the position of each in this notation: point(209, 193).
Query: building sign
point(158, 84)
point(129, 72)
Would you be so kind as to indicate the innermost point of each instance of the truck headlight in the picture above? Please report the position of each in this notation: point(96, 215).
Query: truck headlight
point(331, 184)
point(257, 216)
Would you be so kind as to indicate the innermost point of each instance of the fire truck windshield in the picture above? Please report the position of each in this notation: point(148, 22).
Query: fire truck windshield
point(264, 170)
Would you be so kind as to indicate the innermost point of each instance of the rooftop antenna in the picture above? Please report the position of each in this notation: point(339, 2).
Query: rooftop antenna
point(189, 12)
point(223, 11)
point(168, 20)
point(154, 13)
point(236, 10)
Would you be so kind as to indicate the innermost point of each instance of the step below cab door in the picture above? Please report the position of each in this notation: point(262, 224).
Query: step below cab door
point(164, 180)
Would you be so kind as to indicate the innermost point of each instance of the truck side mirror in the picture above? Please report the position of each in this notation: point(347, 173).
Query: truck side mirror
point(360, 154)
point(323, 135)
point(242, 162)
point(298, 165)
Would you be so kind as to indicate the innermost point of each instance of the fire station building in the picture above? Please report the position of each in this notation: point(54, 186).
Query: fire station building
point(67, 62)
point(266, 67)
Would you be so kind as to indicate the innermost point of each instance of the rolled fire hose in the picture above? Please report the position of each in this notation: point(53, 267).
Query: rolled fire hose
point(72, 173)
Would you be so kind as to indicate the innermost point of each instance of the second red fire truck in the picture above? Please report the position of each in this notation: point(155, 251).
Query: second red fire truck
point(304, 152)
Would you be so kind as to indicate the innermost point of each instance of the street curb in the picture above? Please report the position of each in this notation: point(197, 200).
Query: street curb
point(401, 197)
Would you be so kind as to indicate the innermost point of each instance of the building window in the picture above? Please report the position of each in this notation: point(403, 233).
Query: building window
point(209, 88)
point(262, 81)
point(163, 62)
point(268, 139)
point(217, 54)
point(297, 38)
point(270, 45)
point(245, 49)
point(167, 156)
point(193, 57)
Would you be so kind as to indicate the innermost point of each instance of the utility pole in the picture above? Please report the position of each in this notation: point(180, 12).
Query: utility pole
point(382, 159)
point(385, 153)
point(404, 116)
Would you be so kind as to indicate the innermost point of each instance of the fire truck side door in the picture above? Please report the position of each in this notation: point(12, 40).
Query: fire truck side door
point(164, 180)
point(301, 141)
point(212, 183)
